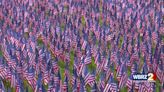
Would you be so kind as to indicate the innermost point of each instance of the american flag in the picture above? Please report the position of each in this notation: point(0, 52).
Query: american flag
point(19, 85)
point(79, 52)
point(46, 77)
point(13, 79)
point(110, 86)
point(74, 77)
point(88, 59)
point(107, 63)
point(55, 66)
point(101, 83)
point(123, 80)
point(84, 45)
point(134, 68)
point(57, 50)
point(2, 87)
point(82, 85)
point(32, 58)
point(65, 85)
point(119, 72)
point(5, 52)
point(134, 57)
point(31, 78)
point(75, 86)
point(159, 73)
point(19, 69)
point(67, 57)
point(129, 82)
point(136, 85)
point(109, 37)
point(81, 66)
point(8, 76)
point(98, 58)
point(90, 79)
point(38, 82)
point(76, 63)
point(3, 71)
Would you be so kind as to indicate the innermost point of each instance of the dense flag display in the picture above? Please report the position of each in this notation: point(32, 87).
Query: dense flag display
point(80, 45)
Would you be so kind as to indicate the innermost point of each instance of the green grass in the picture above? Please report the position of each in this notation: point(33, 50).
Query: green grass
point(62, 73)
point(163, 38)
point(124, 89)
point(28, 86)
point(71, 62)
point(109, 45)
point(157, 83)
point(88, 88)
point(141, 63)
point(62, 26)
point(128, 71)
point(83, 21)
point(100, 21)
point(26, 34)
point(40, 42)
point(1, 54)
point(97, 78)
point(120, 41)
point(91, 67)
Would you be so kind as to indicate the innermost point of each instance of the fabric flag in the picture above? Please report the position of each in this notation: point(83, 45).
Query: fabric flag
point(82, 84)
point(134, 68)
point(55, 66)
point(46, 77)
point(110, 86)
point(65, 85)
point(2, 87)
point(19, 86)
point(101, 83)
point(123, 80)
point(13, 79)
point(74, 80)
point(3, 71)
point(84, 45)
point(120, 71)
point(81, 66)
point(129, 82)
point(159, 72)
point(88, 78)
point(94, 88)
point(30, 78)
point(58, 82)
point(88, 59)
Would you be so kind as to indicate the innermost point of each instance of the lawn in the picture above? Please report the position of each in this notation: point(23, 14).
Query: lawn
point(61, 64)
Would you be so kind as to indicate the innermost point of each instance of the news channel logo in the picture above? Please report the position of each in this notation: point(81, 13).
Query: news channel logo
point(150, 77)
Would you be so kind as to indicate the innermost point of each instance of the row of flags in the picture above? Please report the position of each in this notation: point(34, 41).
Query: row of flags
point(35, 36)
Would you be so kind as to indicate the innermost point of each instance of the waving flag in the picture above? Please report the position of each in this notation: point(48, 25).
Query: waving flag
point(123, 80)
point(3, 71)
point(129, 82)
point(110, 86)
point(88, 78)
point(2, 88)
point(82, 83)
point(101, 83)
point(30, 78)
point(88, 59)
point(65, 85)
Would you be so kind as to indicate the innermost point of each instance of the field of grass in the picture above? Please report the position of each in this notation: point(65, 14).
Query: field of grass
point(61, 64)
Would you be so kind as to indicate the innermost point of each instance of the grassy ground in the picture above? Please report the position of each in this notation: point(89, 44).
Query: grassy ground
point(62, 68)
